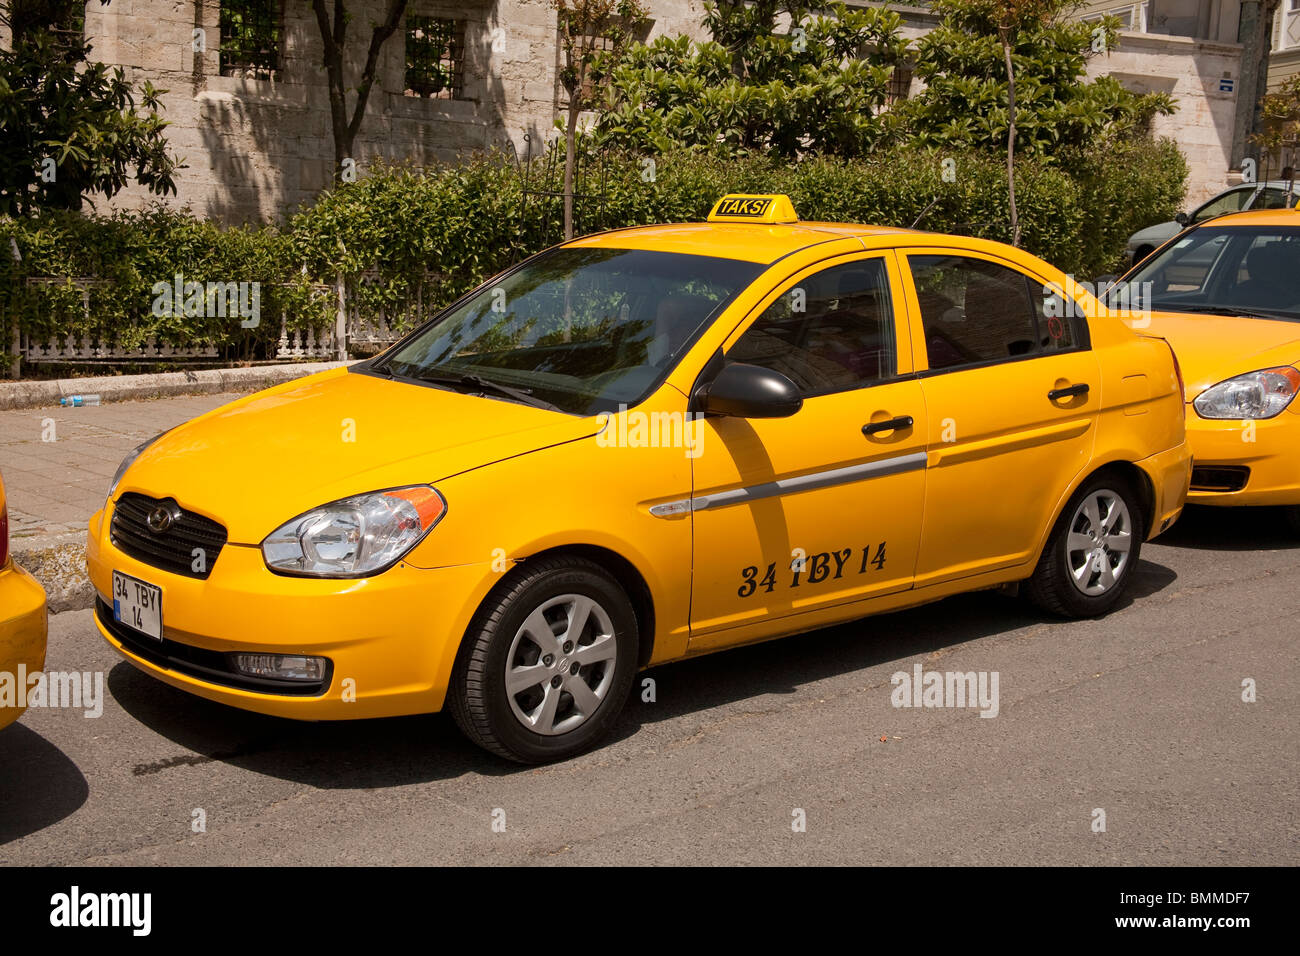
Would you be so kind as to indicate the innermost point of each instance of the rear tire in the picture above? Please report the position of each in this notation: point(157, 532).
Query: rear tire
point(1093, 548)
point(547, 663)
point(1293, 517)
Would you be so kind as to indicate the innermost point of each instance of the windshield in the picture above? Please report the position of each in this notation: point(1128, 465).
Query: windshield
point(1227, 270)
point(582, 330)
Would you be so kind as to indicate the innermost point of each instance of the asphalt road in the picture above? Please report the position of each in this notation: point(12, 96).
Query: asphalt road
point(1139, 715)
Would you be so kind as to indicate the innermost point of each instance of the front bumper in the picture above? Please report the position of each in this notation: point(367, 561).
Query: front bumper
point(1270, 451)
point(391, 640)
point(22, 630)
point(1170, 473)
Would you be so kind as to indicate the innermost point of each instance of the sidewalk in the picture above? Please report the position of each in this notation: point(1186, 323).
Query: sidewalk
point(57, 464)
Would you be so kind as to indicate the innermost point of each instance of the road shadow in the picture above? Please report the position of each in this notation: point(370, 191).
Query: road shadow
point(39, 785)
point(783, 666)
point(1232, 529)
point(331, 755)
point(399, 751)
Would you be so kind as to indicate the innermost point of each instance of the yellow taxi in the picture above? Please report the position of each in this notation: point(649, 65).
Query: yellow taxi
point(22, 626)
point(1226, 294)
point(636, 447)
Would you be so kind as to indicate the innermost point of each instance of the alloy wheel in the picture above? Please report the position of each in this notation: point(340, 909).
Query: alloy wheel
point(561, 664)
point(1098, 545)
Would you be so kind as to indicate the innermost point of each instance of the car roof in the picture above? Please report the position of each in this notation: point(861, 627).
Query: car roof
point(761, 242)
point(1257, 217)
point(1275, 183)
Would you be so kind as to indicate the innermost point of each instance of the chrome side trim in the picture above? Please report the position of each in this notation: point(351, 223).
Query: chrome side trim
point(786, 486)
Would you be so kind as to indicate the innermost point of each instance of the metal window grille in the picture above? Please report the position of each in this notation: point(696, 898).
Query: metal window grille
point(435, 58)
point(250, 38)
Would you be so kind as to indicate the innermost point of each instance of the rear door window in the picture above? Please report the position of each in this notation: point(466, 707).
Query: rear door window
point(977, 312)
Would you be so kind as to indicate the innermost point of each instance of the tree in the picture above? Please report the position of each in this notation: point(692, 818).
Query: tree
point(591, 33)
point(70, 127)
point(819, 85)
point(1279, 111)
point(334, 37)
point(1011, 75)
point(1255, 34)
point(1008, 19)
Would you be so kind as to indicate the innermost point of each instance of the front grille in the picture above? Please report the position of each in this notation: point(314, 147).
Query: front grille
point(210, 666)
point(173, 549)
point(1220, 478)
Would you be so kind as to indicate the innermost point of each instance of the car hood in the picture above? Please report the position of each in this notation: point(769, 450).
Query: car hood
point(1212, 348)
point(258, 462)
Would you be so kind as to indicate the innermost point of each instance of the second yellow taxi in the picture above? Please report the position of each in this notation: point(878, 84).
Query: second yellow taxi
point(22, 627)
point(636, 447)
point(1226, 294)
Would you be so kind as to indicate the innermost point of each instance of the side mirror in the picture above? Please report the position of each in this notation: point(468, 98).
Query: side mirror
point(750, 391)
point(1181, 219)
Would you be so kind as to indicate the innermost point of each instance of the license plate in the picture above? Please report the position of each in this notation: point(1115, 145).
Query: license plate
point(138, 605)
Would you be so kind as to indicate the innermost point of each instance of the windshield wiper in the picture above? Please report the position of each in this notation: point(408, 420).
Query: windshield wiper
point(1226, 310)
point(468, 381)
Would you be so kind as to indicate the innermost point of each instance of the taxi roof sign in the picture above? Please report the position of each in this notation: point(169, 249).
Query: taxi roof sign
point(743, 207)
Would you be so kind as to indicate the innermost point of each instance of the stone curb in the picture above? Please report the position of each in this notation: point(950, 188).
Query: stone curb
point(125, 388)
point(58, 561)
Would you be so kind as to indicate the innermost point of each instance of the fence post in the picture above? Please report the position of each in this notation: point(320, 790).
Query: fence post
point(16, 367)
point(341, 320)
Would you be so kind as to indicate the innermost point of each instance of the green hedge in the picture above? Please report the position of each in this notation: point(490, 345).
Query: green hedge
point(127, 254)
point(427, 237)
point(465, 223)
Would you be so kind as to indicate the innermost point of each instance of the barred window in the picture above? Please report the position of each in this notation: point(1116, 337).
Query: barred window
point(435, 58)
point(900, 85)
point(250, 38)
point(70, 28)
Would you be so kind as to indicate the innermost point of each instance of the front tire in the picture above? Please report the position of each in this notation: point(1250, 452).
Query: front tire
point(547, 663)
point(1093, 549)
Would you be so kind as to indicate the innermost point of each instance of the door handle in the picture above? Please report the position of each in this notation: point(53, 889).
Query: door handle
point(891, 425)
point(1072, 391)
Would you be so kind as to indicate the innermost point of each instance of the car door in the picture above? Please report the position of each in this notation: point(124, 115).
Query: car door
point(1012, 391)
point(823, 508)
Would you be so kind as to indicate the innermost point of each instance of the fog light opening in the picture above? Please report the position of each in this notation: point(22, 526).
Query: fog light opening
point(280, 666)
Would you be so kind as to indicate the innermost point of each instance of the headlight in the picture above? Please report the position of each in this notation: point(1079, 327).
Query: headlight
point(354, 537)
point(1254, 395)
point(128, 461)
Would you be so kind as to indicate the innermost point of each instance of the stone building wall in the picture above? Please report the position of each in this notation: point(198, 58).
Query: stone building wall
point(257, 148)
point(1193, 72)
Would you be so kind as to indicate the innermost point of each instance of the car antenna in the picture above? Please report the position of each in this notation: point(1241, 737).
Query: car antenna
point(933, 202)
